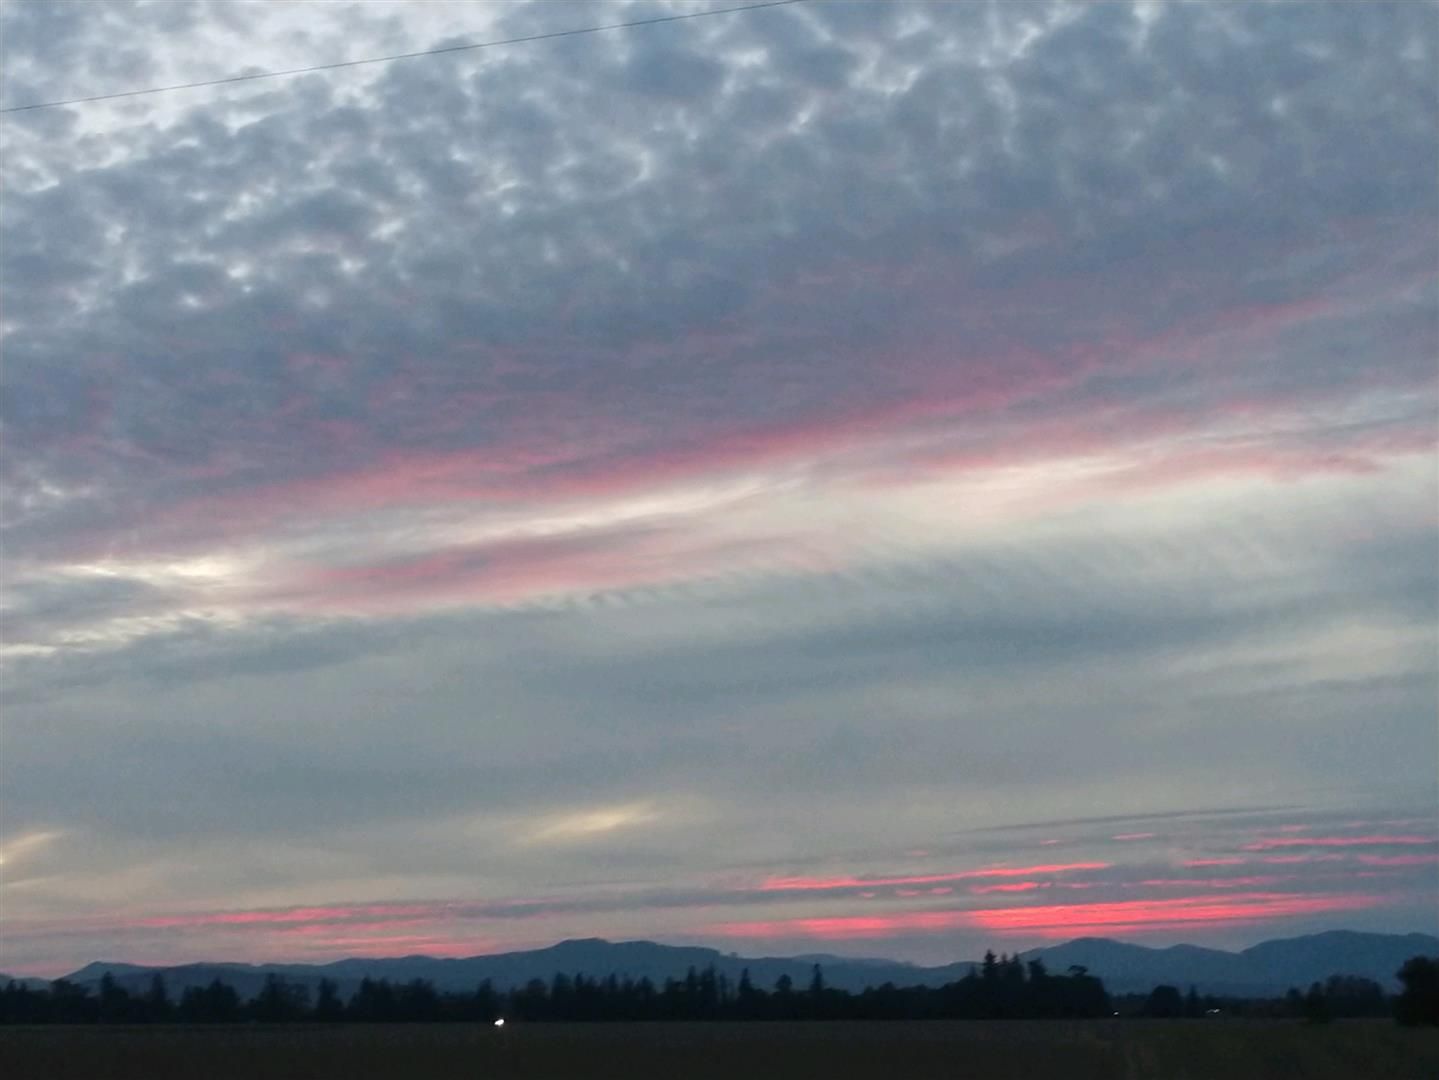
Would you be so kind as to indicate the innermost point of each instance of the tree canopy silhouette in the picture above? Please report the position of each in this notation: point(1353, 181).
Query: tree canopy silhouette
point(1006, 988)
point(1418, 1002)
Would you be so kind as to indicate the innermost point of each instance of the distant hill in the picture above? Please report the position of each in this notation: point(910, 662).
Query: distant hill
point(1125, 967)
point(1269, 968)
point(591, 956)
point(93, 972)
point(1376, 956)
point(32, 983)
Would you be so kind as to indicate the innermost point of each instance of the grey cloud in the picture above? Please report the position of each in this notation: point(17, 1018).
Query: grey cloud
point(901, 681)
point(38, 608)
point(37, 32)
point(662, 71)
point(933, 148)
point(605, 253)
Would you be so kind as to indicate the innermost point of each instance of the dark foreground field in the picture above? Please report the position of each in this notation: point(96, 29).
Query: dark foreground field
point(1030, 1050)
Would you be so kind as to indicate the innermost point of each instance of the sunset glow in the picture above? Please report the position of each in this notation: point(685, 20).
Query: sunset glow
point(1060, 921)
point(902, 474)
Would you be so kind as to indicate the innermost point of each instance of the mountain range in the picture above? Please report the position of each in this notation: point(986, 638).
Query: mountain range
point(1266, 969)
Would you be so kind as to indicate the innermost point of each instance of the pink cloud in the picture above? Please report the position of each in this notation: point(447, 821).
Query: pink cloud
point(1250, 882)
point(583, 433)
point(1398, 860)
point(1293, 860)
point(1057, 920)
point(798, 884)
point(577, 445)
point(1009, 887)
point(1140, 915)
point(1382, 840)
point(842, 927)
point(494, 572)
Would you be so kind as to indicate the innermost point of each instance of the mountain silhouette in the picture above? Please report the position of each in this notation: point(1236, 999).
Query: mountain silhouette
point(1266, 969)
point(27, 981)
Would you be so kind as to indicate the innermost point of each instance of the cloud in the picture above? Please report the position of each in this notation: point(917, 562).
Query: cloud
point(1065, 921)
point(784, 884)
point(1270, 843)
point(18, 847)
point(583, 824)
point(1159, 915)
point(1130, 897)
point(994, 417)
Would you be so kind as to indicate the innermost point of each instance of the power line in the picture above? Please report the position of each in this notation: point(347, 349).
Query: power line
point(401, 56)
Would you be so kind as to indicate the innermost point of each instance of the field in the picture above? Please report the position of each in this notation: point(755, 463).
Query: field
point(1032, 1050)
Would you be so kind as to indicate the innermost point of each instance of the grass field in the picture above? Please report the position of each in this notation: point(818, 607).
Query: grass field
point(1028, 1050)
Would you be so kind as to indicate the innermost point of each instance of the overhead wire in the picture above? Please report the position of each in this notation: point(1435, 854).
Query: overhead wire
point(548, 36)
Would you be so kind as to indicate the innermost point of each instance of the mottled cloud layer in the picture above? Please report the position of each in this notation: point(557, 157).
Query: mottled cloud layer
point(606, 467)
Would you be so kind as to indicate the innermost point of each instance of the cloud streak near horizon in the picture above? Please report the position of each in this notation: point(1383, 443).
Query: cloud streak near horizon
point(743, 449)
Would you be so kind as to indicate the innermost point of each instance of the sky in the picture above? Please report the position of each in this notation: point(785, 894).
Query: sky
point(887, 479)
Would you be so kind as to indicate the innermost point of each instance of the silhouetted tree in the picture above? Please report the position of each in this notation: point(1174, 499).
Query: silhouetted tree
point(531, 1002)
point(417, 1002)
point(1164, 1002)
point(707, 1001)
point(1013, 989)
point(156, 1002)
point(279, 1001)
point(816, 982)
point(21, 1005)
point(1294, 1001)
point(114, 1003)
point(645, 997)
point(749, 1003)
point(487, 1002)
point(214, 1004)
point(782, 1003)
point(71, 1003)
point(1418, 1002)
point(561, 996)
point(1354, 995)
point(989, 970)
point(328, 1006)
point(1316, 1006)
point(373, 1001)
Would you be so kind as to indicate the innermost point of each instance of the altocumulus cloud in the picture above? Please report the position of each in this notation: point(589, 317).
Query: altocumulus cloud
point(621, 470)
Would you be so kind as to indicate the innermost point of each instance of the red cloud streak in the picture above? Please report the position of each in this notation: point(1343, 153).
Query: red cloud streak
point(1339, 841)
point(1137, 915)
point(1057, 920)
point(1398, 860)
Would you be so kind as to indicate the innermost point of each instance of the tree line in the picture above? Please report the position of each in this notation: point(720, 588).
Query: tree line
point(1001, 988)
point(1337, 997)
